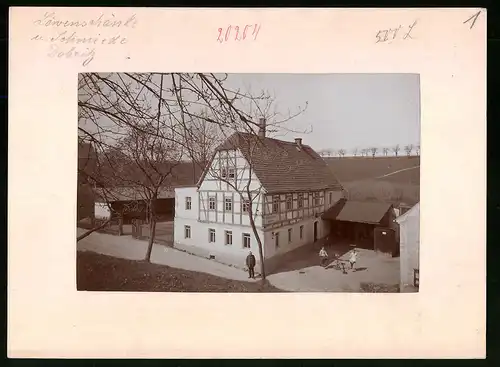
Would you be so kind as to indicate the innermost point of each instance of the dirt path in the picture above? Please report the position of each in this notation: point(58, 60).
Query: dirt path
point(393, 173)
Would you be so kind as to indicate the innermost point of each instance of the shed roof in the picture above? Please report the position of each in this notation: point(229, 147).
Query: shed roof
point(129, 193)
point(370, 212)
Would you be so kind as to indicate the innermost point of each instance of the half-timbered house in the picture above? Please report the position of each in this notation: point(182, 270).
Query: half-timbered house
point(282, 187)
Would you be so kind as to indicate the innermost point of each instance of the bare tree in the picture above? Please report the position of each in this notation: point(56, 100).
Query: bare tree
point(355, 152)
point(341, 153)
point(396, 149)
point(364, 152)
point(150, 117)
point(386, 151)
point(94, 174)
point(154, 159)
point(324, 152)
point(408, 149)
point(374, 151)
point(417, 149)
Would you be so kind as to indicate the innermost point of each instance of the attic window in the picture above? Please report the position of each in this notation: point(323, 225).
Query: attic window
point(231, 173)
point(223, 173)
point(276, 202)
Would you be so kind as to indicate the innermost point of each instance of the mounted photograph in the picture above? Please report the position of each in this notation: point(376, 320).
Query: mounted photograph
point(207, 182)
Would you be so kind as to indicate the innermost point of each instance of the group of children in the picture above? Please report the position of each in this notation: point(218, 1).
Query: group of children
point(353, 256)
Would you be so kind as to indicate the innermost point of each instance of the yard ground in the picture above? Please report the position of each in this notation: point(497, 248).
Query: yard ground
point(96, 272)
point(301, 273)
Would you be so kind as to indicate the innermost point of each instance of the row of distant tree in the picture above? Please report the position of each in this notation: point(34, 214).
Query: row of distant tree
point(409, 150)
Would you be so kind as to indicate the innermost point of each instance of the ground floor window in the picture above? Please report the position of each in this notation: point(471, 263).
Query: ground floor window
point(416, 278)
point(277, 240)
point(229, 237)
point(187, 231)
point(289, 235)
point(246, 240)
point(301, 232)
point(211, 235)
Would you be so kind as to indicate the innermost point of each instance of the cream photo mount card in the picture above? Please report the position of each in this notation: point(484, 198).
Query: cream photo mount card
point(93, 284)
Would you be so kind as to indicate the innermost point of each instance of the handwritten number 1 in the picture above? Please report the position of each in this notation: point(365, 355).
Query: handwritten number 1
point(220, 34)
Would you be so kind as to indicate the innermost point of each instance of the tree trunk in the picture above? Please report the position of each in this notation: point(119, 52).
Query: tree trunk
point(88, 233)
point(152, 230)
point(120, 225)
point(259, 243)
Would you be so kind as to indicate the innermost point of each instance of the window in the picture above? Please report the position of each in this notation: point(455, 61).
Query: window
point(277, 240)
point(330, 197)
point(211, 203)
point(300, 200)
point(231, 173)
point(228, 204)
point(223, 173)
point(316, 198)
point(289, 203)
point(188, 203)
point(211, 235)
point(229, 237)
point(289, 235)
point(246, 206)
point(187, 231)
point(276, 204)
point(306, 200)
point(246, 240)
point(301, 232)
point(416, 278)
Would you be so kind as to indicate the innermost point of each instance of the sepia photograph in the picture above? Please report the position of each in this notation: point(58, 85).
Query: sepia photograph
point(211, 182)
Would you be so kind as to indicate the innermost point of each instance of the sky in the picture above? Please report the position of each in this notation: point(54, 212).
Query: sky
point(344, 111)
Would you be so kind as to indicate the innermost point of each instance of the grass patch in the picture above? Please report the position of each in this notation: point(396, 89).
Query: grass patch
point(379, 288)
point(97, 272)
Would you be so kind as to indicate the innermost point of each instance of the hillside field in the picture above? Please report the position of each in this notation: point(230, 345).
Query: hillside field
point(389, 179)
point(350, 169)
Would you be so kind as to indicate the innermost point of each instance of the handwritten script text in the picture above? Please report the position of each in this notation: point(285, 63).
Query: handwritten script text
point(81, 38)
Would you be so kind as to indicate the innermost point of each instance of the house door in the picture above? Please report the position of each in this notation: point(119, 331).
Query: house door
point(315, 231)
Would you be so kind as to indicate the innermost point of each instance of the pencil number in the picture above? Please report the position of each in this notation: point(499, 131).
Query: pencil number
point(388, 35)
point(237, 33)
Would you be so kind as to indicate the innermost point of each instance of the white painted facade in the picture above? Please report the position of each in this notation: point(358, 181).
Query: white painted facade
point(101, 211)
point(409, 242)
point(216, 210)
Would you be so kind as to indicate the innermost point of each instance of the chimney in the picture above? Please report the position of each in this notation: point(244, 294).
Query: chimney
point(262, 127)
point(298, 141)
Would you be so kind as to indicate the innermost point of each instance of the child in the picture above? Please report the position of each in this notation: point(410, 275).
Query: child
point(323, 255)
point(353, 258)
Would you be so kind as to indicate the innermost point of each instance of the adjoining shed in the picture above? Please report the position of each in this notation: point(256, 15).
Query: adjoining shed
point(366, 224)
point(409, 231)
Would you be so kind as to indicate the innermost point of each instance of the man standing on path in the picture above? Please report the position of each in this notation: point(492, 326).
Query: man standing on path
point(251, 265)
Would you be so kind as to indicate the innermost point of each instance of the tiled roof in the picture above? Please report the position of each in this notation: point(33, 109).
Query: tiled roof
point(357, 211)
point(281, 166)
